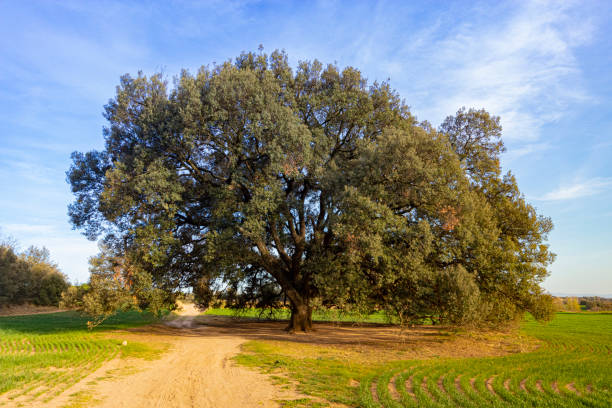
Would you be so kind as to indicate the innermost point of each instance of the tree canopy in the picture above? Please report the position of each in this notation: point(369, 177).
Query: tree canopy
point(262, 184)
point(29, 277)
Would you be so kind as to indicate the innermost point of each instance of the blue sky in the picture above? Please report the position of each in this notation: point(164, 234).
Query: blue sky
point(544, 67)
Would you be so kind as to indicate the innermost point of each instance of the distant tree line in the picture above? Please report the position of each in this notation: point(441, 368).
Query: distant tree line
point(596, 304)
point(29, 277)
point(588, 303)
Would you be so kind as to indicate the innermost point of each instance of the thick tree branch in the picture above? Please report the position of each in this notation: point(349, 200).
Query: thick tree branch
point(278, 244)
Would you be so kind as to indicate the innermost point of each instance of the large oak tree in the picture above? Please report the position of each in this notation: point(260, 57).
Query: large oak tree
point(264, 183)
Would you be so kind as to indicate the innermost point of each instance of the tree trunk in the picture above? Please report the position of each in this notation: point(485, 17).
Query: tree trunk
point(301, 318)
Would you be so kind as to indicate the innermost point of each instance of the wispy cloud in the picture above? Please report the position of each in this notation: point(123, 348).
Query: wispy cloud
point(580, 189)
point(525, 150)
point(517, 60)
point(30, 170)
point(518, 63)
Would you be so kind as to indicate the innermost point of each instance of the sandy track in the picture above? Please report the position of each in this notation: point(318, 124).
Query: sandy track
point(197, 371)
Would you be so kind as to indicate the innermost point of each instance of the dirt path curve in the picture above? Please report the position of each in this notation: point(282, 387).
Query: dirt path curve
point(197, 371)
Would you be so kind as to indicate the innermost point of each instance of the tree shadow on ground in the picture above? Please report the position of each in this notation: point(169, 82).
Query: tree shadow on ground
point(426, 340)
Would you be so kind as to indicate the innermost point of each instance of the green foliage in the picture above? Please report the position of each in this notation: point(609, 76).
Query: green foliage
point(72, 297)
point(115, 285)
point(567, 304)
point(586, 303)
point(12, 270)
point(506, 255)
point(596, 304)
point(30, 277)
point(258, 185)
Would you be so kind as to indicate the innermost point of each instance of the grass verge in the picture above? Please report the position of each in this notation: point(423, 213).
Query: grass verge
point(320, 315)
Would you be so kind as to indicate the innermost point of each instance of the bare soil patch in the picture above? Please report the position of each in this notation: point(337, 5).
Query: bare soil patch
point(27, 309)
point(376, 341)
point(392, 386)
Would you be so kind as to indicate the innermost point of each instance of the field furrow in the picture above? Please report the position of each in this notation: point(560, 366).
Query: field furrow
point(43, 355)
point(569, 365)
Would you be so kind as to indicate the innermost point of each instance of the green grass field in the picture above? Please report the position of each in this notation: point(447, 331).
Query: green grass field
point(571, 368)
point(42, 355)
point(320, 315)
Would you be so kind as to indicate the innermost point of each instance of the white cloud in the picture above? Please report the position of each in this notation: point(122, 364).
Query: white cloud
point(517, 60)
point(521, 67)
point(580, 189)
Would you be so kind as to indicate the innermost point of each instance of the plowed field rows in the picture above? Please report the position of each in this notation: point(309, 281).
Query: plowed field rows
point(42, 355)
point(572, 367)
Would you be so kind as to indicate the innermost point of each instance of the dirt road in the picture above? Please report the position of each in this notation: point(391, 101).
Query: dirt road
point(197, 371)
